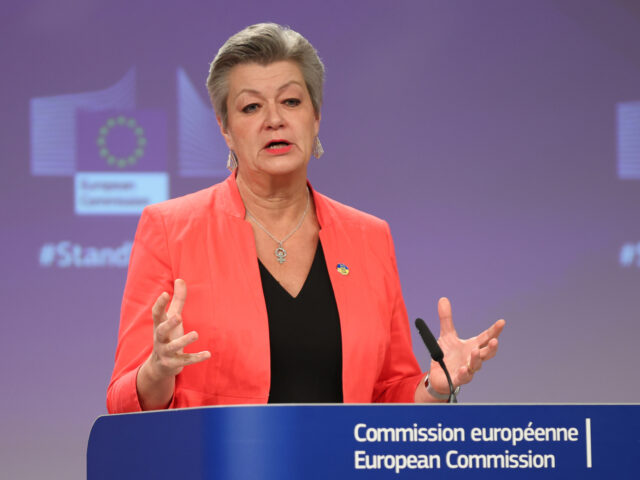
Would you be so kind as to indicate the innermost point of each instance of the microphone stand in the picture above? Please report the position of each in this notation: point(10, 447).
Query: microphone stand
point(436, 354)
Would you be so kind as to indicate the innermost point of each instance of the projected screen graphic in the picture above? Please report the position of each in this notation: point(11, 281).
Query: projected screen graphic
point(500, 140)
point(629, 165)
point(117, 156)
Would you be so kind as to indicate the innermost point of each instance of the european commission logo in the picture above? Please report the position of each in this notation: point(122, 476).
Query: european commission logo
point(117, 153)
point(122, 161)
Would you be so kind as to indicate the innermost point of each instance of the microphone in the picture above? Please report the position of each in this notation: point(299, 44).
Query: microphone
point(436, 353)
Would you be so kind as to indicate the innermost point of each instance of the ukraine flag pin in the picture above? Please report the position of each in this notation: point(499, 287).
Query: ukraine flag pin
point(342, 269)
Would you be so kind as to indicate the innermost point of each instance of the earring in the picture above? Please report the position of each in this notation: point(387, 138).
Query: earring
point(318, 151)
point(232, 161)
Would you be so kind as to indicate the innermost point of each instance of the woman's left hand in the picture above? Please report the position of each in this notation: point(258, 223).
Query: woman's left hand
point(463, 358)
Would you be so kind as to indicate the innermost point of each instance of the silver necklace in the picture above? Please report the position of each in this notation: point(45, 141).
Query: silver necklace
point(280, 252)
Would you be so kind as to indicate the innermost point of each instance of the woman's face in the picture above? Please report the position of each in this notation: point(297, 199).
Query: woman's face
point(271, 123)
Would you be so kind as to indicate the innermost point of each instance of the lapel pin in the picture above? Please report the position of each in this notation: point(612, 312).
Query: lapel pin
point(342, 269)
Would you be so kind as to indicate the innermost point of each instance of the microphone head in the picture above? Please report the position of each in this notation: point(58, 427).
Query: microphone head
point(429, 340)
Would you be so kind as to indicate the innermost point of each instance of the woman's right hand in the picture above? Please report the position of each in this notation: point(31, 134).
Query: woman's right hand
point(156, 377)
point(169, 340)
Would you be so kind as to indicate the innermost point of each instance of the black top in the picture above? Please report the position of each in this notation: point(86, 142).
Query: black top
point(304, 336)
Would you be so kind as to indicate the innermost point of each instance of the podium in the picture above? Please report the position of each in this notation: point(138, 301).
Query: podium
point(369, 442)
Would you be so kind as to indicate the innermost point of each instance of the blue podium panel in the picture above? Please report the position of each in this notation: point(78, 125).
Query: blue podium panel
point(368, 442)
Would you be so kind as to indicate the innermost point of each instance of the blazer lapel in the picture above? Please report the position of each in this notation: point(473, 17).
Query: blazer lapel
point(232, 255)
point(339, 249)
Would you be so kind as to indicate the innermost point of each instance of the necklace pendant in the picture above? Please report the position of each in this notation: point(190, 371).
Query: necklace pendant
point(281, 254)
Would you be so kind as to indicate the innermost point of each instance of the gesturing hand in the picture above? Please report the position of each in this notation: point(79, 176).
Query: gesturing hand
point(155, 381)
point(169, 339)
point(462, 357)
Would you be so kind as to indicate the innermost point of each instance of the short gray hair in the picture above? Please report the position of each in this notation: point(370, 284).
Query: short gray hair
point(264, 43)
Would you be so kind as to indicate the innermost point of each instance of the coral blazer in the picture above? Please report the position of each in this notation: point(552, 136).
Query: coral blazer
point(204, 239)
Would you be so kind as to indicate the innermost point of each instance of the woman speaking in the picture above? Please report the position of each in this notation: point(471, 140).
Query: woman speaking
point(285, 295)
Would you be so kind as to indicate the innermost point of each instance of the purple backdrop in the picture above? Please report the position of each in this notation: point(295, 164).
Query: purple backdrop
point(501, 140)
